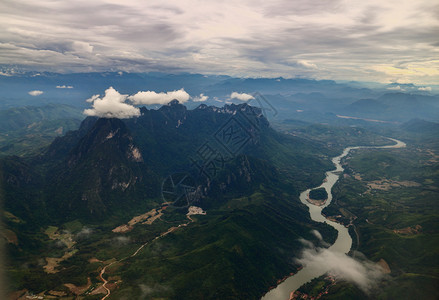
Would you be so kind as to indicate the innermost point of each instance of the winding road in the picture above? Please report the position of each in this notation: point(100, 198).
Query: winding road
point(342, 244)
point(105, 281)
point(172, 229)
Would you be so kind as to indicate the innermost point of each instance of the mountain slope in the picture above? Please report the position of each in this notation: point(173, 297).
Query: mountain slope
point(103, 172)
point(29, 129)
point(97, 178)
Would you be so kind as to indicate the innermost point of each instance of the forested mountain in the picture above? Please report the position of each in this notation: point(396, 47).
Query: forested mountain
point(242, 172)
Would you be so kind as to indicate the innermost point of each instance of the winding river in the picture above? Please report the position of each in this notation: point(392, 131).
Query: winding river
point(342, 244)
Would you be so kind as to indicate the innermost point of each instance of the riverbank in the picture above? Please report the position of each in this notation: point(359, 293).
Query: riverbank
point(344, 241)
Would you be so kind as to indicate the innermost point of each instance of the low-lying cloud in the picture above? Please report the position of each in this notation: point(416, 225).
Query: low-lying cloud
point(5, 74)
point(112, 105)
point(241, 96)
point(84, 233)
point(319, 236)
point(395, 88)
point(150, 97)
point(425, 89)
point(306, 64)
point(116, 105)
point(148, 290)
point(365, 274)
point(200, 98)
point(64, 87)
point(35, 93)
point(120, 241)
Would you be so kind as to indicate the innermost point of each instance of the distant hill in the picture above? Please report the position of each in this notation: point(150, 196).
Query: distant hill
point(366, 107)
point(18, 118)
point(315, 98)
point(74, 88)
point(308, 100)
point(398, 107)
point(422, 128)
point(246, 175)
point(27, 129)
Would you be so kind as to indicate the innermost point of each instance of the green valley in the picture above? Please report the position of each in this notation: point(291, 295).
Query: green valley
point(87, 217)
point(63, 208)
point(391, 198)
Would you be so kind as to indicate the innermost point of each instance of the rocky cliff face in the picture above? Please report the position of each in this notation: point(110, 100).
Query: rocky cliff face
point(103, 172)
point(109, 164)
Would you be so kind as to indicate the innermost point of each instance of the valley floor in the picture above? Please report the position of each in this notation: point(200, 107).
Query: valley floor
point(392, 200)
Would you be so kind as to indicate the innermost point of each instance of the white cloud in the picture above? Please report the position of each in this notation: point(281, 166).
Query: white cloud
point(35, 93)
point(116, 105)
point(306, 64)
point(112, 105)
point(80, 47)
point(148, 290)
point(84, 233)
point(395, 88)
point(306, 243)
point(121, 241)
point(409, 72)
point(64, 87)
point(365, 274)
point(425, 89)
point(317, 234)
point(241, 96)
point(150, 97)
point(93, 98)
point(288, 38)
point(200, 98)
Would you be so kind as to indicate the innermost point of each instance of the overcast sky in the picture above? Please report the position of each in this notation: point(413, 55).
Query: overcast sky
point(374, 40)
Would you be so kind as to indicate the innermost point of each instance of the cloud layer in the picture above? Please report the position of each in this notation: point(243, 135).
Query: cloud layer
point(364, 273)
point(148, 97)
point(35, 93)
point(112, 105)
point(241, 96)
point(388, 41)
point(200, 98)
point(116, 105)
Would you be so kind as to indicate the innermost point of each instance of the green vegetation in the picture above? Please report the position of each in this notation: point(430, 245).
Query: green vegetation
point(27, 130)
point(241, 234)
point(346, 290)
point(224, 253)
point(392, 196)
point(328, 287)
point(318, 194)
point(69, 198)
point(331, 136)
point(87, 183)
point(315, 287)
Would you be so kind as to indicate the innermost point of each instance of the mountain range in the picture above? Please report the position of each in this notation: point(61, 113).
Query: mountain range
point(246, 175)
point(293, 98)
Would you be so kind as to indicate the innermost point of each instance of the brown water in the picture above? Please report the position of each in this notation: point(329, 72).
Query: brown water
point(341, 245)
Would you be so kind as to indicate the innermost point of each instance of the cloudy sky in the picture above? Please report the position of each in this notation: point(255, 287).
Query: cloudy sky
point(386, 41)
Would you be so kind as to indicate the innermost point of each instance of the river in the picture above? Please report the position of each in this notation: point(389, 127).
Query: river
point(343, 242)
